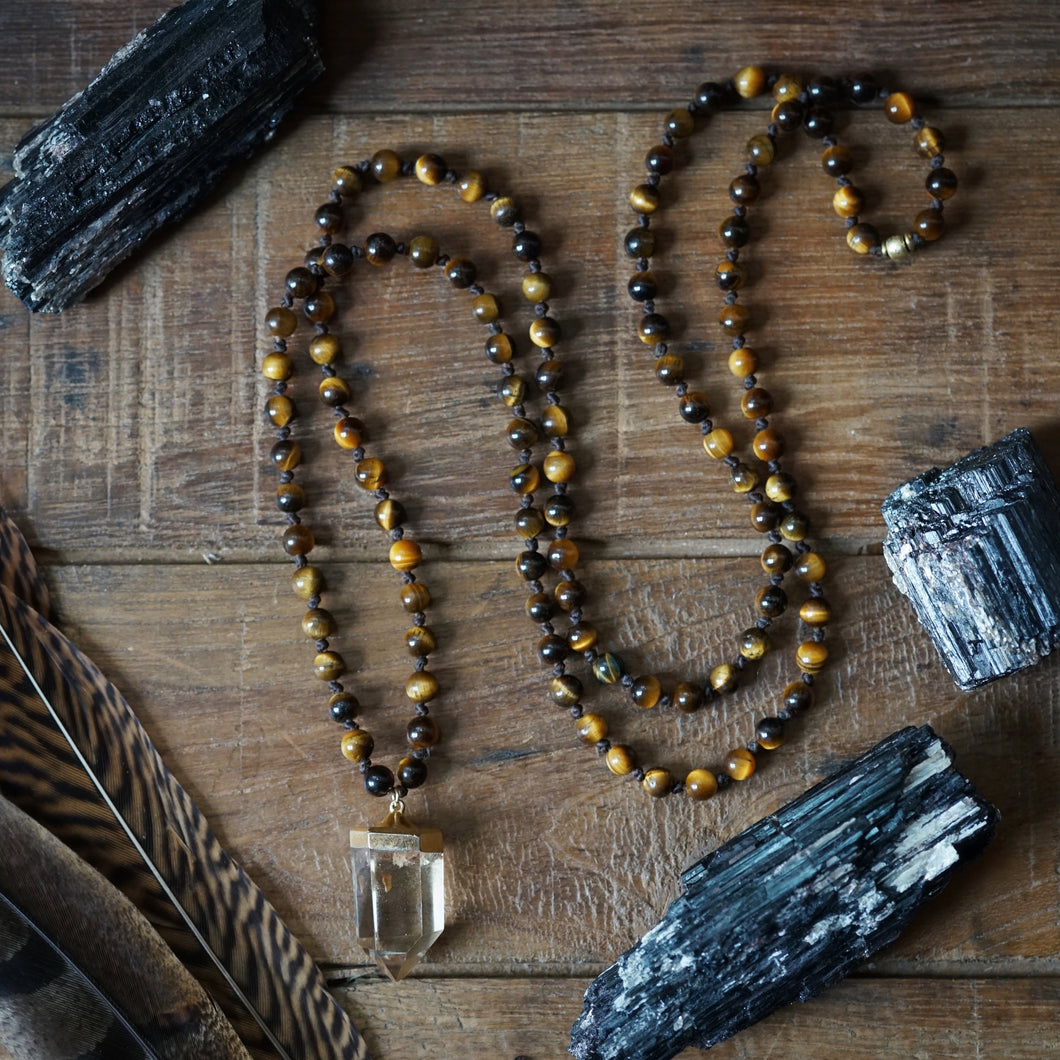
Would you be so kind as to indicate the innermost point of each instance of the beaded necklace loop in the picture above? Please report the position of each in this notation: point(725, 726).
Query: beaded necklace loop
point(557, 598)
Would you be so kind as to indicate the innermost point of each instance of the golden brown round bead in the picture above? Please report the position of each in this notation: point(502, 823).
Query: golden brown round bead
point(771, 601)
point(862, 238)
point(700, 784)
point(928, 225)
point(756, 403)
point(307, 582)
point(537, 287)
point(763, 516)
point(929, 142)
point(423, 251)
point(420, 640)
point(761, 150)
point(370, 473)
point(318, 623)
point(529, 522)
point(566, 690)
point(563, 554)
point(328, 665)
point(657, 783)
point(582, 637)
point(279, 410)
point(471, 186)
point(687, 697)
point(734, 319)
point(740, 763)
point(743, 362)
point(769, 733)
point(724, 678)
point(319, 307)
point(555, 421)
point(277, 366)
point(797, 697)
point(385, 166)
point(522, 433)
point(421, 687)
point(512, 391)
point(743, 479)
point(810, 656)
point(776, 559)
point(644, 199)
point(810, 567)
point(753, 643)
point(749, 81)
point(848, 201)
point(524, 478)
point(500, 348)
point(544, 332)
point(286, 454)
point(780, 487)
point(653, 328)
point(504, 211)
point(281, 322)
point(899, 107)
point(324, 349)
point(334, 391)
point(405, 555)
point(646, 691)
point(815, 611)
point(794, 526)
point(620, 760)
point(837, 161)
point(718, 443)
point(730, 275)
point(787, 88)
point(357, 745)
point(347, 180)
point(430, 170)
point(485, 308)
point(389, 514)
point(422, 732)
point(679, 123)
point(591, 728)
point(348, 432)
point(558, 466)
point(298, 540)
point(767, 445)
point(415, 597)
point(460, 272)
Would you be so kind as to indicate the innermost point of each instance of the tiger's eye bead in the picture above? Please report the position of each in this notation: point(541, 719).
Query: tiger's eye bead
point(780, 487)
point(379, 248)
point(279, 410)
point(756, 403)
point(522, 433)
point(318, 623)
point(422, 731)
point(563, 554)
point(679, 123)
point(319, 307)
point(837, 161)
point(769, 733)
point(928, 225)
point(512, 391)
point(862, 238)
point(529, 522)
point(421, 687)
point(815, 611)
point(566, 690)
point(788, 115)
point(343, 707)
point(430, 170)
point(324, 349)
point(810, 567)
point(485, 309)
point(670, 369)
point(277, 366)
point(537, 287)
point(347, 180)
point(787, 87)
point(348, 432)
point(357, 745)
point(524, 479)
point(744, 189)
point(286, 455)
point(810, 656)
point(281, 322)
point(646, 691)
point(300, 282)
point(539, 607)
point(794, 526)
point(298, 540)
point(328, 665)
point(797, 697)
point(749, 81)
point(761, 150)
point(591, 728)
point(862, 89)
point(734, 319)
point(823, 90)
point(653, 328)
point(378, 781)
point(552, 649)
point(724, 678)
point(582, 637)
point(334, 391)
point(569, 595)
point(660, 159)
point(620, 760)
point(460, 272)
point(700, 784)
point(644, 199)
point(559, 510)
point(767, 445)
point(607, 668)
point(329, 217)
point(847, 201)
point(544, 332)
point(558, 466)
point(471, 186)
point(420, 640)
point(730, 275)
point(290, 497)
point(734, 232)
point(771, 601)
point(405, 555)
point(693, 407)
point(385, 166)
point(743, 479)
point(818, 123)
point(526, 246)
point(764, 516)
point(941, 183)
point(504, 211)
point(337, 259)
point(389, 514)
point(423, 251)
point(776, 559)
point(899, 107)
point(743, 362)
point(639, 243)
point(412, 772)
point(531, 565)
point(754, 643)
point(929, 142)
point(549, 374)
point(642, 286)
point(687, 697)
point(370, 473)
point(657, 783)
point(718, 443)
point(500, 348)
point(415, 597)
point(307, 582)
point(740, 763)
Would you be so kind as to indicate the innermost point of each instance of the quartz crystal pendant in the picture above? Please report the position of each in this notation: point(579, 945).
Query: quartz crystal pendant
point(398, 890)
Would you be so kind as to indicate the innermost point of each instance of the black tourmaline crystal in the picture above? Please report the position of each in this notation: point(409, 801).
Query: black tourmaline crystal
point(791, 905)
point(976, 548)
point(148, 138)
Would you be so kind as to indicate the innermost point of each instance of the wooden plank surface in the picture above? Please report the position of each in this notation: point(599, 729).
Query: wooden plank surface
point(134, 451)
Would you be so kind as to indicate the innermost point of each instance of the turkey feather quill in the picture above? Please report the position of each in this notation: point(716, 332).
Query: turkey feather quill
point(75, 757)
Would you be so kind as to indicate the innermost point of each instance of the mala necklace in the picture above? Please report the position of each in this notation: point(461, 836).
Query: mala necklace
point(397, 865)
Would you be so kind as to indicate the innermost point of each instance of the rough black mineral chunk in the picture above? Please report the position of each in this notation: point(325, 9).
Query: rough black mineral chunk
point(976, 548)
point(791, 905)
point(148, 138)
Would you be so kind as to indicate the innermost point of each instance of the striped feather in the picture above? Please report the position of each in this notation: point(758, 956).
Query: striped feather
point(74, 756)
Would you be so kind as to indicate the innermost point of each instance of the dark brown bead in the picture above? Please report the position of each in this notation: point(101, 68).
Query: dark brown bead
point(347, 180)
point(385, 166)
point(549, 374)
point(286, 455)
point(837, 161)
point(297, 540)
point(734, 319)
point(500, 348)
point(734, 232)
point(607, 668)
point(788, 115)
point(794, 526)
point(679, 123)
point(343, 707)
point(642, 286)
point(928, 225)
point(552, 648)
point(378, 781)
point(334, 391)
point(639, 243)
point(300, 282)
point(693, 407)
point(539, 607)
point(769, 733)
point(529, 522)
point(526, 246)
point(329, 217)
point(818, 122)
point(569, 595)
point(730, 275)
point(411, 772)
point(798, 696)
point(566, 690)
point(422, 731)
point(460, 272)
point(563, 554)
point(531, 565)
point(756, 403)
point(504, 212)
point(660, 159)
point(862, 89)
point(423, 251)
point(776, 559)
point(941, 183)
point(771, 601)
point(862, 238)
point(559, 510)
point(646, 691)
point(319, 307)
point(281, 322)
point(688, 697)
point(653, 328)
point(379, 248)
point(337, 259)
point(415, 597)
point(290, 497)
point(764, 516)
point(744, 189)
point(522, 433)
point(670, 369)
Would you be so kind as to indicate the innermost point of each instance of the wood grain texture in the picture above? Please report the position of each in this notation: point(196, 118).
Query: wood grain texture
point(133, 449)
